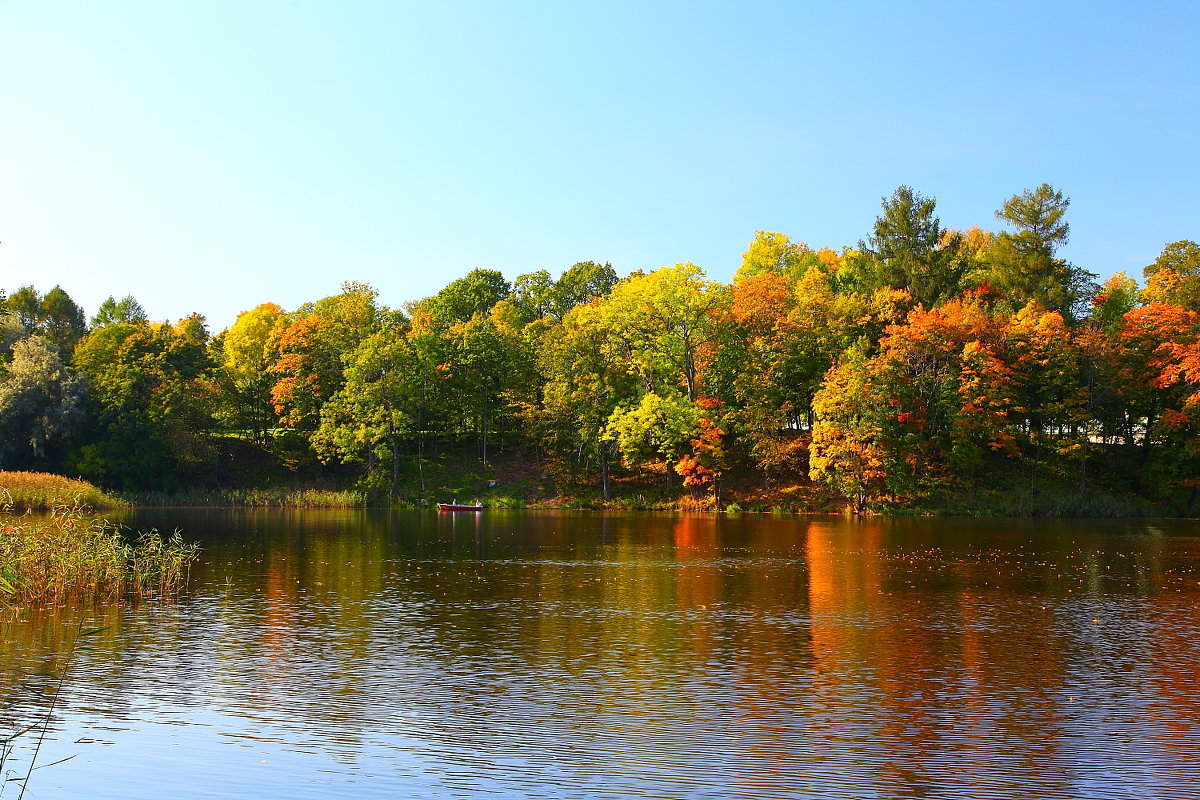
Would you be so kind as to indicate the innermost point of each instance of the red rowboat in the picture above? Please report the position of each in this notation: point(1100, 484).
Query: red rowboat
point(456, 506)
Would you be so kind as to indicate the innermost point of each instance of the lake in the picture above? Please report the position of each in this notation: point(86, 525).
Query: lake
point(571, 655)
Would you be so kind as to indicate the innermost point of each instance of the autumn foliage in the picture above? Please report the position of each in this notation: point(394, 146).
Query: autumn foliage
point(915, 368)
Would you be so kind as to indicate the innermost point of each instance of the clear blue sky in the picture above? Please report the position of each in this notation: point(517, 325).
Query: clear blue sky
point(210, 156)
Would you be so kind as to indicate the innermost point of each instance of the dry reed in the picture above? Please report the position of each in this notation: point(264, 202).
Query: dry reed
point(41, 491)
point(68, 555)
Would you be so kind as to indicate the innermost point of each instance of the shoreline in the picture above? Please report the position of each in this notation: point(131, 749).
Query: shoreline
point(23, 492)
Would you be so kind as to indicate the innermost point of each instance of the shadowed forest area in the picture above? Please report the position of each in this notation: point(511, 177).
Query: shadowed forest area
point(922, 369)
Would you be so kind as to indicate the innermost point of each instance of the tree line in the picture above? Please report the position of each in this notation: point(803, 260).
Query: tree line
point(919, 365)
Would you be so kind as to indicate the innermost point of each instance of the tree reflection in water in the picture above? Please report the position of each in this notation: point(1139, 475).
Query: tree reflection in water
point(589, 655)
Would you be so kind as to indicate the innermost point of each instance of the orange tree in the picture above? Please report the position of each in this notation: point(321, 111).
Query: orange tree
point(1165, 339)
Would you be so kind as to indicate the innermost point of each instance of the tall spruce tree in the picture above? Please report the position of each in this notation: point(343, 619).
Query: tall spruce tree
point(1024, 264)
point(910, 250)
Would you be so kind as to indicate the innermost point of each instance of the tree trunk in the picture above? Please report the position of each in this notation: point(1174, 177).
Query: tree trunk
point(1036, 430)
point(1083, 466)
point(484, 425)
point(395, 467)
point(605, 483)
point(421, 458)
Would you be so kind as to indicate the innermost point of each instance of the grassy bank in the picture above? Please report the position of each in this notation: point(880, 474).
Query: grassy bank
point(252, 498)
point(41, 491)
point(70, 556)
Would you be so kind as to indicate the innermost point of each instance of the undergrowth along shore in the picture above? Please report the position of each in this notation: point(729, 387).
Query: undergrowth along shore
point(69, 555)
point(29, 491)
point(253, 498)
point(1048, 504)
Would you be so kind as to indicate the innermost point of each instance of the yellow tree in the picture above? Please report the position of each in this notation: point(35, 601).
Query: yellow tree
point(652, 338)
point(662, 327)
point(246, 358)
point(1174, 277)
point(850, 449)
point(771, 253)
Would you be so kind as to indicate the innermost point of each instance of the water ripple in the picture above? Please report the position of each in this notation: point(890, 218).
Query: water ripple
point(642, 657)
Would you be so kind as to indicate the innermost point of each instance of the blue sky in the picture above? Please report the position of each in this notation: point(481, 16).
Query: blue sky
point(212, 156)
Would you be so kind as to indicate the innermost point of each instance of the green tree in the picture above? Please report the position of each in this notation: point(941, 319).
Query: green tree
point(126, 310)
point(537, 295)
point(63, 321)
point(909, 250)
point(369, 419)
point(583, 387)
point(477, 371)
point(55, 317)
point(492, 370)
point(1024, 265)
point(26, 304)
point(435, 404)
point(41, 404)
point(533, 295)
point(581, 283)
point(474, 293)
point(1039, 217)
point(150, 405)
point(475, 340)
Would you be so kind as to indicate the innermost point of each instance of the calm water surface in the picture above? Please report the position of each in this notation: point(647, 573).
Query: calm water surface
point(554, 655)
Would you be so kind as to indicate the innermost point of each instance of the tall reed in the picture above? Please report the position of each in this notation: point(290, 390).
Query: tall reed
point(253, 498)
point(71, 556)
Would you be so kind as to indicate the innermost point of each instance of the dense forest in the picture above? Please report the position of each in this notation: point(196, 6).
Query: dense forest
point(921, 368)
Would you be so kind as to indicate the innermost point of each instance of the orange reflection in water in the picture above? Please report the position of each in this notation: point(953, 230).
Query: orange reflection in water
point(919, 670)
point(278, 626)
